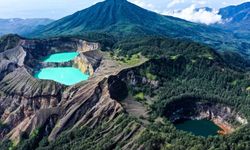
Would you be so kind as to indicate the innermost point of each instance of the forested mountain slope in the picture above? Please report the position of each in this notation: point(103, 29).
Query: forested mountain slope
point(123, 19)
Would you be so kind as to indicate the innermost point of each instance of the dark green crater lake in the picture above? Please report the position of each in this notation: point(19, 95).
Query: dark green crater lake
point(198, 127)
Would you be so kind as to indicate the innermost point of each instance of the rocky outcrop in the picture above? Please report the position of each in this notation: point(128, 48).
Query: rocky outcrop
point(84, 46)
point(9, 41)
point(88, 61)
point(27, 103)
point(11, 59)
point(23, 97)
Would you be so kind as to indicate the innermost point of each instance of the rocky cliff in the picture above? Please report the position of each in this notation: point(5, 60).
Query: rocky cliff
point(27, 103)
point(197, 109)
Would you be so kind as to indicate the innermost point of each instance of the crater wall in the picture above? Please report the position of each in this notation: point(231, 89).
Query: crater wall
point(193, 108)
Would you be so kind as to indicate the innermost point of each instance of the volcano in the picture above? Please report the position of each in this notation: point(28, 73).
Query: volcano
point(124, 19)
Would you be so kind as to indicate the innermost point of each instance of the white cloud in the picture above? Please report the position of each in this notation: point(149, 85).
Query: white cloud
point(175, 2)
point(201, 16)
point(143, 4)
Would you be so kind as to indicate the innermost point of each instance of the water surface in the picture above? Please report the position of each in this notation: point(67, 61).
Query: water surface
point(61, 57)
point(198, 127)
point(63, 75)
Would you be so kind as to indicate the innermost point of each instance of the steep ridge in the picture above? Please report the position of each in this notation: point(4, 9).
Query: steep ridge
point(22, 96)
point(29, 105)
point(124, 19)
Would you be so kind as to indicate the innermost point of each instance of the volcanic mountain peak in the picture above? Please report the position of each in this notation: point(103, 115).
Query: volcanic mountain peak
point(121, 18)
point(116, 0)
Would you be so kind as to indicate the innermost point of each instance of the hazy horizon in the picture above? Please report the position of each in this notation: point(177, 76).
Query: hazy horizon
point(57, 9)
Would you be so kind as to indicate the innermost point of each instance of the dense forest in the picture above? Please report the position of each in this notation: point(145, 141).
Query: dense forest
point(182, 68)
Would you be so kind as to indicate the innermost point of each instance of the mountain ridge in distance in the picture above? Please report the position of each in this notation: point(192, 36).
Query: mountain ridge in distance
point(21, 26)
point(236, 19)
point(236, 13)
point(124, 19)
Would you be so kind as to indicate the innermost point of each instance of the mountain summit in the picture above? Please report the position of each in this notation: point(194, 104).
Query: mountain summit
point(122, 18)
point(117, 0)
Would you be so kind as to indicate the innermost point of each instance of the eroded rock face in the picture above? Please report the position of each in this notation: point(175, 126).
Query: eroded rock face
point(84, 46)
point(11, 59)
point(197, 109)
point(88, 61)
point(27, 104)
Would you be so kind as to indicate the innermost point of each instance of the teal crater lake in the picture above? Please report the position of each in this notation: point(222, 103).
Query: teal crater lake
point(203, 128)
point(61, 57)
point(64, 75)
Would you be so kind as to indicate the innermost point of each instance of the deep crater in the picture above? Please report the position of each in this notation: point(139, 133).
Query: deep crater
point(64, 60)
point(203, 117)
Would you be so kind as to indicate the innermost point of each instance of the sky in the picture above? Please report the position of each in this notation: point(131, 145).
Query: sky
point(56, 9)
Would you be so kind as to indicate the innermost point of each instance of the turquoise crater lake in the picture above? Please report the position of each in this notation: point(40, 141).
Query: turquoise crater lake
point(198, 127)
point(63, 75)
point(61, 57)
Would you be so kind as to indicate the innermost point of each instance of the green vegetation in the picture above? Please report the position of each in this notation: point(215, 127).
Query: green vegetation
point(88, 138)
point(182, 69)
point(150, 76)
point(6, 145)
point(174, 57)
point(139, 96)
point(208, 56)
point(124, 20)
point(132, 60)
point(34, 134)
point(248, 88)
point(204, 78)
